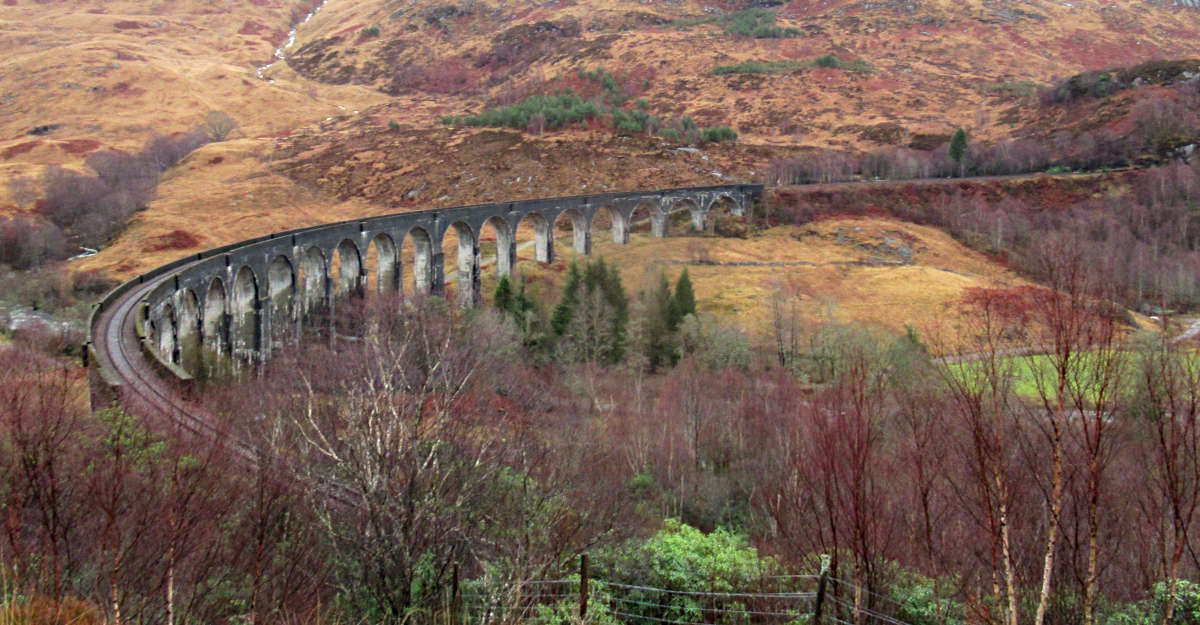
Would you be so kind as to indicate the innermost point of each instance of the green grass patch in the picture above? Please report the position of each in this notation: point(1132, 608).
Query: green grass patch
point(1017, 89)
point(756, 23)
point(1034, 376)
point(781, 67)
point(761, 67)
point(552, 112)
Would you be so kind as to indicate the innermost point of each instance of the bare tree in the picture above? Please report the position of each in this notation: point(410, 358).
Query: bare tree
point(1168, 410)
point(218, 125)
point(414, 465)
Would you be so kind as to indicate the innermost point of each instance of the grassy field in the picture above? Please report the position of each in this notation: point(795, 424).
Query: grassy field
point(1034, 375)
point(879, 272)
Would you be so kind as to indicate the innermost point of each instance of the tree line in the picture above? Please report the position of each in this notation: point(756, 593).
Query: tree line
point(367, 472)
point(67, 209)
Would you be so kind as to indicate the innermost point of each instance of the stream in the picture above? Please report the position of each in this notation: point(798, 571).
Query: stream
point(281, 51)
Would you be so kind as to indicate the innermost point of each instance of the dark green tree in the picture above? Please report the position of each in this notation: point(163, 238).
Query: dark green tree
point(657, 335)
point(683, 300)
point(502, 298)
point(565, 308)
point(958, 149)
point(592, 316)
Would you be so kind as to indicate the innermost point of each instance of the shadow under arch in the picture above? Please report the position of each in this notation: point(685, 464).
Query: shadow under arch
point(281, 298)
point(163, 333)
point(694, 213)
point(382, 266)
point(347, 270)
point(214, 330)
point(422, 259)
point(723, 216)
point(244, 315)
point(506, 245)
point(188, 332)
point(581, 237)
point(314, 286)
point(647, 217)
point(543, 241)
point(466, 269)
point(609, 218)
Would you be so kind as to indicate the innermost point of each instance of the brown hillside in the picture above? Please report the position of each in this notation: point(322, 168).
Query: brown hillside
point(351, 124)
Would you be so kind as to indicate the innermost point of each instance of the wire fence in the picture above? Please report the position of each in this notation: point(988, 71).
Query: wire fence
point(781, 600)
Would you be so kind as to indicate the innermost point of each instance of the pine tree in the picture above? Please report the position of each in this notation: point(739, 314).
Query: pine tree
point(683, 301)
point(659, 345)
point(502, 298)
point(958, 148)
point(614, 294)
point(567, 303)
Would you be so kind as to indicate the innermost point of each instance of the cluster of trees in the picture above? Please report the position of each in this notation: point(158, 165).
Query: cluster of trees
point(364, 471)
point(602, 101)
point(595, 321)
point(1160, 126)
point(757, 23)
point(139, 521)
point(67, 209)
point(903, 163)
point(1098, 84)
point(1145, 238)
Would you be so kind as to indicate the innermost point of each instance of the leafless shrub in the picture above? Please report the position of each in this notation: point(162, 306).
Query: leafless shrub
point(218, 125)
point(91, 209)
point(27, 241)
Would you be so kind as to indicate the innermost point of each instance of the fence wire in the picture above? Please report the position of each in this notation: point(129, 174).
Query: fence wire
point(778, 600)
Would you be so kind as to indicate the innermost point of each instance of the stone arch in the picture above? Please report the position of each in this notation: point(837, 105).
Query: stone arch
point(737, 202)
point(422, 260)
point(314, 288)
point(506, 248)
point(281, 297)
point(187, 328)
point(610, 217)
point(696, 212)
point(647, 216)
point(214, 329)
point(163, 333)
point(244, 314)
point(543, 237)
point(347, 270)
point(581, 236)
point(383, 257)
point(467, 267)
point(723, 206)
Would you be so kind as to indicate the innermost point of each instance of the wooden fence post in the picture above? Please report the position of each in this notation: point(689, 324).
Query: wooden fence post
point(583, 587)
point(822, 580)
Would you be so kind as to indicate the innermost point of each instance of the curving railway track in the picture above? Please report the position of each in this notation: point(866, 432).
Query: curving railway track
point(117, 352)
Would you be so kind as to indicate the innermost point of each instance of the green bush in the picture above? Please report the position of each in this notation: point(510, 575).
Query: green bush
point(682, 558)
point(920, 602)
point(559, 111)
point(760, 67)
point(779, 67)
point(372, 31)
point(832, 62)
point(757, 23)
point(719, 134)
point(670, 134)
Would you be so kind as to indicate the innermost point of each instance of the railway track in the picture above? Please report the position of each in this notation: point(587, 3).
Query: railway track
point(142, 390)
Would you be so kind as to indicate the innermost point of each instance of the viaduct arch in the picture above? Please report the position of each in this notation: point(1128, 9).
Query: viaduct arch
point(190, 318)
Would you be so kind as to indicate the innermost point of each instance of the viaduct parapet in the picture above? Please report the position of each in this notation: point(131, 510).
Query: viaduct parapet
point(240, 301)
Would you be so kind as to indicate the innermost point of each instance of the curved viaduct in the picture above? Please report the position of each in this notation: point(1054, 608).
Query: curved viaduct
point(237, 302)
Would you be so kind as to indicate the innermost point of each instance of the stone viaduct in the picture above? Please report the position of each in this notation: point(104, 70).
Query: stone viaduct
point(240, 300)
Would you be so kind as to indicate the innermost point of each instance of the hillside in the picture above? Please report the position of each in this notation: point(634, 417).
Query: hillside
point(351, 124)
